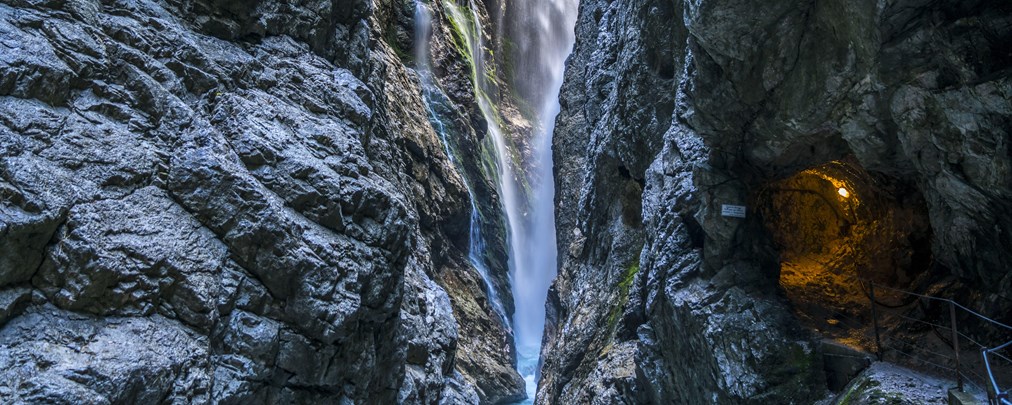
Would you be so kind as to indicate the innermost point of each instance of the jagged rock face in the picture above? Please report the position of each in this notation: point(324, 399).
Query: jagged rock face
point(485, 352)
point(671, 109)
point(224, 202)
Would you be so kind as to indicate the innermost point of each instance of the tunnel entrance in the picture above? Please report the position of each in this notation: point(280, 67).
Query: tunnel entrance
point(835, 225)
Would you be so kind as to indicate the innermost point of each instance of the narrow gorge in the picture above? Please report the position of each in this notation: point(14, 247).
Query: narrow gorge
point(505, 202)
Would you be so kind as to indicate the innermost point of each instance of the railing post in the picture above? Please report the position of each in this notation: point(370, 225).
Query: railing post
point(955, 343)
point(874, 318)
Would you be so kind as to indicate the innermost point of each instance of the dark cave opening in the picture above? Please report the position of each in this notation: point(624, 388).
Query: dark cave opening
point(836, 227)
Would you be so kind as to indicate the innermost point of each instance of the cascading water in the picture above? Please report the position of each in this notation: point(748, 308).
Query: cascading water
point(543, 33)
point(434, 99)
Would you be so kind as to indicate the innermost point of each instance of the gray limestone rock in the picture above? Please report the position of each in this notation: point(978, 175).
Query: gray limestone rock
point(227, 202)
point(670, 110)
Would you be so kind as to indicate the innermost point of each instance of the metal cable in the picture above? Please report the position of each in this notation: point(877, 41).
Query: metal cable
point(867, 294)
point(999, 355)
point(969, 380)
point(925, 361)
point(978, 377)
point(980, 316)
point(914, 347)
point(974, 385)
point(906, 292)
point(921, 321)
point(975, 313)
point(852, 322)
point(971, 340)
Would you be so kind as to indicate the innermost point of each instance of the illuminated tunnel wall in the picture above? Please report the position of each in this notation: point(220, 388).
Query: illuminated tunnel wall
point(834, 223)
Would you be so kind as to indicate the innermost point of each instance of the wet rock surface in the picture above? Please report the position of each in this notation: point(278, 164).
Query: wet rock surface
point(884, 383)
point(86, 359)
point(662, 123)
point(485, 351)
point(216, 201)
point(226, 202)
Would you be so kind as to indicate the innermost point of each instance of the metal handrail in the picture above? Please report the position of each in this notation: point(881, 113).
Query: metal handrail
point(1000, 395)
point(995, 394)
point(972, 312)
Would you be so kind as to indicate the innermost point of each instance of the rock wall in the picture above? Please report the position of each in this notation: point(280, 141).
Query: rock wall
point(671, 109)
point(230, 202)
point(213, 201)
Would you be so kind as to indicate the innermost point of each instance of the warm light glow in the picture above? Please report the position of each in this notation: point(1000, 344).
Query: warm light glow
point(843, 192)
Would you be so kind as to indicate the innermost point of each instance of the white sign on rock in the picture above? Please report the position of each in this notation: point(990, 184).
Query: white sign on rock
point(734, 211)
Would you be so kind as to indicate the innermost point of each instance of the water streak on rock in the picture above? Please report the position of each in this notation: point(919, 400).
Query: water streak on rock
point(435, 102)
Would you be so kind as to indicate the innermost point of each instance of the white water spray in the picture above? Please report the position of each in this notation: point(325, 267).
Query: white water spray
point(543, 33)
point(545, 37)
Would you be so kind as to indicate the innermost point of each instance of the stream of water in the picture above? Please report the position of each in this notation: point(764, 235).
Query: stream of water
point(541, 32)
point(435, 101)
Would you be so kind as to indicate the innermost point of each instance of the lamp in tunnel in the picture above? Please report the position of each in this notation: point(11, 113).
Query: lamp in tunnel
point(843, 192)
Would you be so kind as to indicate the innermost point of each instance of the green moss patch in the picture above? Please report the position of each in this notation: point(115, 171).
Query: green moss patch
point(623, 286)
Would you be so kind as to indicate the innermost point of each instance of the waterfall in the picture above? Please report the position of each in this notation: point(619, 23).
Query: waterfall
point(434, 99)
point(543, 33)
